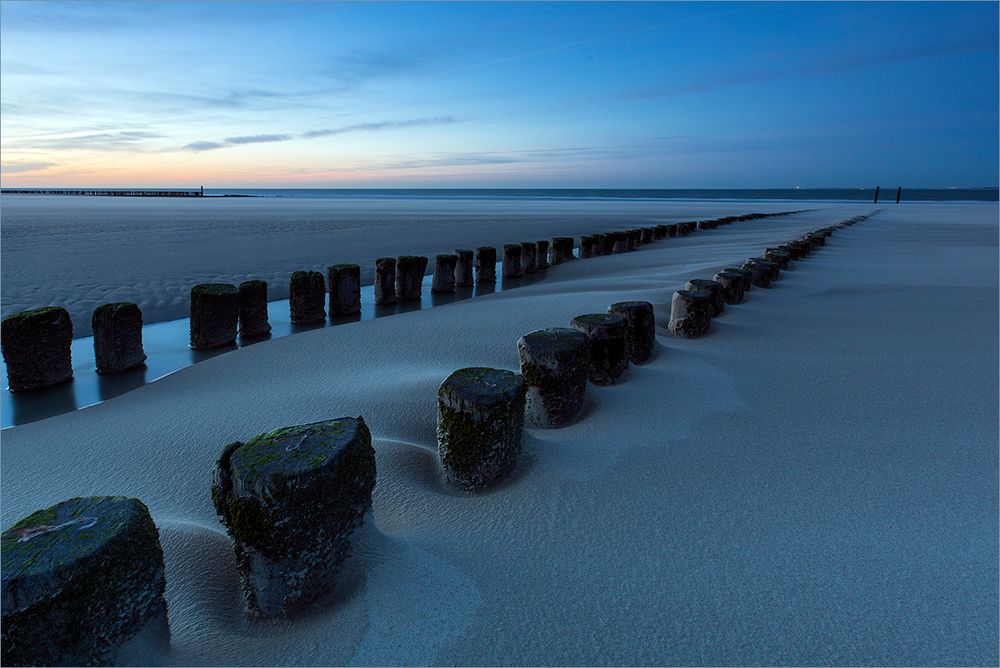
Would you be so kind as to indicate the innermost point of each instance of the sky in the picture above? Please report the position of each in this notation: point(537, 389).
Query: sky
point(504, 95)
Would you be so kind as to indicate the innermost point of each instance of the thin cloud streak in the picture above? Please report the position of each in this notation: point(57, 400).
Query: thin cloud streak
point(328, 132)
point(382, 125)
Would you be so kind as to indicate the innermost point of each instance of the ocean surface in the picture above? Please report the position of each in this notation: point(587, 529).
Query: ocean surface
point(839, 194)
point(987, 194)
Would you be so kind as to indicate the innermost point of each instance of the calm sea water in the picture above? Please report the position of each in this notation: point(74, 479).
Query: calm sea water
point(841, 194)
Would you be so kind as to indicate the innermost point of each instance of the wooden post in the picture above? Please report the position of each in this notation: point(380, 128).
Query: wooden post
point(876, 194)
point(899, 192)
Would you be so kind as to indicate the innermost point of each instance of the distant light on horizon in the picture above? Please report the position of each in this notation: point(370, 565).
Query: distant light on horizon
point(547, 95)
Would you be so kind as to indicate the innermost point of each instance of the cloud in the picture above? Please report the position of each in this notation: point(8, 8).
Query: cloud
point(202, 146)
point(257, 139)
point(328, 132)
point(20, 167)
point(382, 125)
point(107, 141)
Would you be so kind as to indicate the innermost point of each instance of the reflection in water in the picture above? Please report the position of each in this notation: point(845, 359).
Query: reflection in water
point(120, 383)
point(166, 345)
point(40, 404)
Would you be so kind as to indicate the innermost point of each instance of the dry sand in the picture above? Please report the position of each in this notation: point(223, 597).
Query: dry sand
point(815, 482)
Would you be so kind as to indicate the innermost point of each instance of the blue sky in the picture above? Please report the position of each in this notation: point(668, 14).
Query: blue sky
point(657, 95)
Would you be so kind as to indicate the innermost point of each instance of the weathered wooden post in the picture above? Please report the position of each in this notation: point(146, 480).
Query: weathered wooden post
point(542, 254)
point(480, 425)
point(81, 579)
point(444, 274)
point(486, 265)
point(463, 269)
point(732, 286)
point(608, 335)
point(36, 348)
point(714, 288)
point(746, 274)
point(597, 247)
point(385, 280)
point(529, 254)
point(215, 311)
point(306, 294)
point(607, 243)
point(777, 256)
point(410, 270)
point(899, 193)
point(877, 188)
point(290, 499)
point(554, 365)
point(586, 246)
point(512, 261)
point(762, 272)
point(646, 235)
point(253, 309)
point(690, 313)
point(117, 337)
point(562, 250)
point(621, 242)
point(345, 289)
point(640, 326)
point(672, 230)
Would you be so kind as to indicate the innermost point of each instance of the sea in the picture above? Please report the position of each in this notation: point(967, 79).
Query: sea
point(986, 194)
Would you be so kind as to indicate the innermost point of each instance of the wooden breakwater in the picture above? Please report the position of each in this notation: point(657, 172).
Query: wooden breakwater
point(104, 192)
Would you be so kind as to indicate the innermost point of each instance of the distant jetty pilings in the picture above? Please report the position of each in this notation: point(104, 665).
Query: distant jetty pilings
point(104, 192)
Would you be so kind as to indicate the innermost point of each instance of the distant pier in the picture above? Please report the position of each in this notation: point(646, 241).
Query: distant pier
point(105, 192)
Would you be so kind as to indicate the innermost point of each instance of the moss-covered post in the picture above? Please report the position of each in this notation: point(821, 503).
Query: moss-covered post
point(253, 309)
point(80, 579)
point(290, 499)
point(385, 280)
point(345, 289)
point(542, 254)
point(215, 313)
point(529, 257)
point(480, 424)
point(798, 249)
point(608, 352)
point(512, 261)
point(486, 265)
point(607, 243)
point(713, 288)
point(621, 242)
point(777, 256)
point(463, 270)
point(117, 337)
point(307, 297)
point(597, 247)
point(762, 272)
point(410, 270)
point(36, 348)
point(732, 285)
point(554, 364)
point(640, 324)
point(817, 239)
point(562, 250)
point(444, 274)
point(690, 313)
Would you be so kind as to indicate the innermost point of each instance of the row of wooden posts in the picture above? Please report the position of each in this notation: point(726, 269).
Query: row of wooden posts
point(36, 343)
point(291, 498)
point(290, 533)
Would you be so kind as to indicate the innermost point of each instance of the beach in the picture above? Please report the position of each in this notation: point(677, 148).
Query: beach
point(80, 252)
point(813, 482)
